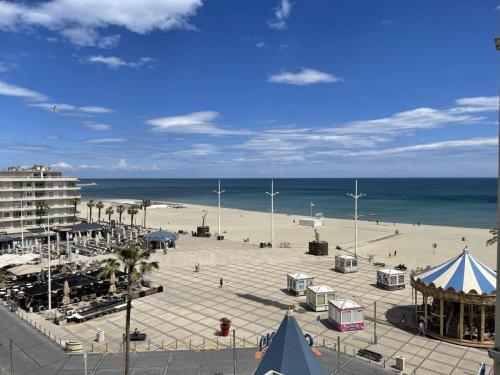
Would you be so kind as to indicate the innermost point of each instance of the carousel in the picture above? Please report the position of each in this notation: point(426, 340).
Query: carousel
point(457, 301)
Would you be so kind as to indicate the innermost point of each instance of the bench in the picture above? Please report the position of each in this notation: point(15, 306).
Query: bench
point(371, 355)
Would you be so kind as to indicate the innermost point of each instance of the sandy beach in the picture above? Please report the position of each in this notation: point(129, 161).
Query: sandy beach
point(413, 244)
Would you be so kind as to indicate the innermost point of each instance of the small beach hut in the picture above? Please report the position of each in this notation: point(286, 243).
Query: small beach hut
point(346, 315)
point(318, 296)
point(297, 283)
point(458, 301)
point(391, 279)
point(346, 263)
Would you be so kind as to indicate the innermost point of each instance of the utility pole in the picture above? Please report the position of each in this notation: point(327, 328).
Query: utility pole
point(375, 322)
point(48, 247)
point(356, 196)
point(22, 226)
point(234, 350)
point(272, 194)
point(219, 192)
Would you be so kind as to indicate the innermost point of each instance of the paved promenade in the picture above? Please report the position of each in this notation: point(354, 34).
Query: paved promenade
point(34, 354)
point(186, 314)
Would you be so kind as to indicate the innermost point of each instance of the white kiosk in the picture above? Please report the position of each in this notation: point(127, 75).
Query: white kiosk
point(297, 283)
point(391, 279)
point(346, 263)
point(346, 315)
point(318, 296)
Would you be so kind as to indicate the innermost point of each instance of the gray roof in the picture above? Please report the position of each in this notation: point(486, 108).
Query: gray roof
point(86, 227)
point(289, 352)
point(161, 235)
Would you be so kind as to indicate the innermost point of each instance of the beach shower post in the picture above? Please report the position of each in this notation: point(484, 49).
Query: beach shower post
point(356, 196)
point(272, 194)
point(219, 192)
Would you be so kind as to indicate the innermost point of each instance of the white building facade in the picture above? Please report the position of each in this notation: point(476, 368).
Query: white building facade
point(24, 191)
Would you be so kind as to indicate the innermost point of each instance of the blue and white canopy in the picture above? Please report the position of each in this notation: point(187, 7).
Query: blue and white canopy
point(463, 273)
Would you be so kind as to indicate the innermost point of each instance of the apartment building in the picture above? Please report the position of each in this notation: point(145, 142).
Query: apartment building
point(30, 196)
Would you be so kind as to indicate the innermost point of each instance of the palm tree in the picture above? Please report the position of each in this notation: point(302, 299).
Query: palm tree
point(90, 204)
point(135, 259)
point(132, 211)
point(120, 209)
point(109, 212)
point(144, 205)
point(99, 206)
point(76, 202)
point(110, 268)
point(494, 238)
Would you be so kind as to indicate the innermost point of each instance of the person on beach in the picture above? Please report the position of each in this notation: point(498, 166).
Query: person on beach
point(221, 282)
point(395, 252)
point(482, 369)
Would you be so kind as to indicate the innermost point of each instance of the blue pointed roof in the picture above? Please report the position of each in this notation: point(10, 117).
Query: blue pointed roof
point(289, 352)
point(463, 273)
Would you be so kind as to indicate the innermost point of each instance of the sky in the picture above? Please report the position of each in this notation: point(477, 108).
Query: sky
point(246, 88)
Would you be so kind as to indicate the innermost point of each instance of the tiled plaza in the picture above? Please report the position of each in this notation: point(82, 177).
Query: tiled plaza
point(254, 297)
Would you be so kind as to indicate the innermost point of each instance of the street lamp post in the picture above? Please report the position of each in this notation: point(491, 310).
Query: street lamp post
point(495, 353)
point(219, 192)
point(356, 196)
point(272, 194)
point(48, 246)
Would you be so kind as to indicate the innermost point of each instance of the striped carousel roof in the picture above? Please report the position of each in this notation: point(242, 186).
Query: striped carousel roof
point(463, 273)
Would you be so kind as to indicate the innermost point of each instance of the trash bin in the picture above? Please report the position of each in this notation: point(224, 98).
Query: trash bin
point(400, 363)
point(100, 336)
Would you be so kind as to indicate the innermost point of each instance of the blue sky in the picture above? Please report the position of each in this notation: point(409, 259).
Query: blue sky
point(240, 88)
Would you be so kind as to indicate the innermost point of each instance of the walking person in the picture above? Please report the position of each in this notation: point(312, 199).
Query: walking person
point(482, 369)
point(403, 321)
point(421, 327)
point(221, 282)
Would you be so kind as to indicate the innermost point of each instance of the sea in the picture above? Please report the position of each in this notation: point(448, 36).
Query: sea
point(462, 202)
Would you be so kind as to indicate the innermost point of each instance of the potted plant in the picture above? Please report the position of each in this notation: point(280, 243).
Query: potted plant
point(225, 324)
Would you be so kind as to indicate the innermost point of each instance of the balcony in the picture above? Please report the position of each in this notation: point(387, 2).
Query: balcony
point(36, 217)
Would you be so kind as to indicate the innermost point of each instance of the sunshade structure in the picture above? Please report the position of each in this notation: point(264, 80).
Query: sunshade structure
point(161, 238)
point(16, 259)
point(458, 301)
point(289, 352)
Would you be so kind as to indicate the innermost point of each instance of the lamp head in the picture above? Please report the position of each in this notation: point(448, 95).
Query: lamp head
point(497, 43)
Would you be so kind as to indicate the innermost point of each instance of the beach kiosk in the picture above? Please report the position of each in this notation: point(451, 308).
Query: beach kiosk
point(297, 283)
point(346, 315)
point(346, 263)
point(391, 279)
point(318, 296)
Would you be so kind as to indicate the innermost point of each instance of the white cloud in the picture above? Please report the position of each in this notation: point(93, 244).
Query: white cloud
point(21, 92)
point(463, 145)
point(105, 140)
point(95, 110)
point(122, 164)
point(192, 123)
point(82, 22)
point(97, 126)
point(303, 78)
point(113, 62)
point(5, 66)
point(282, 13)
point(61, 165)
point(198, 149)
point(67, 108)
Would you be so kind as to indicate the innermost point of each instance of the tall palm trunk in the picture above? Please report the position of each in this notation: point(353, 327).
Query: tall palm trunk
point(109, 218)
point(90, 214)
point(120, 217)
point(131, 220)
point(127, 324)
point(99, 214)
point(144, 224)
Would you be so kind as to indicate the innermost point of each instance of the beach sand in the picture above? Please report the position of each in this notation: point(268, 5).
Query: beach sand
point(413, 244)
